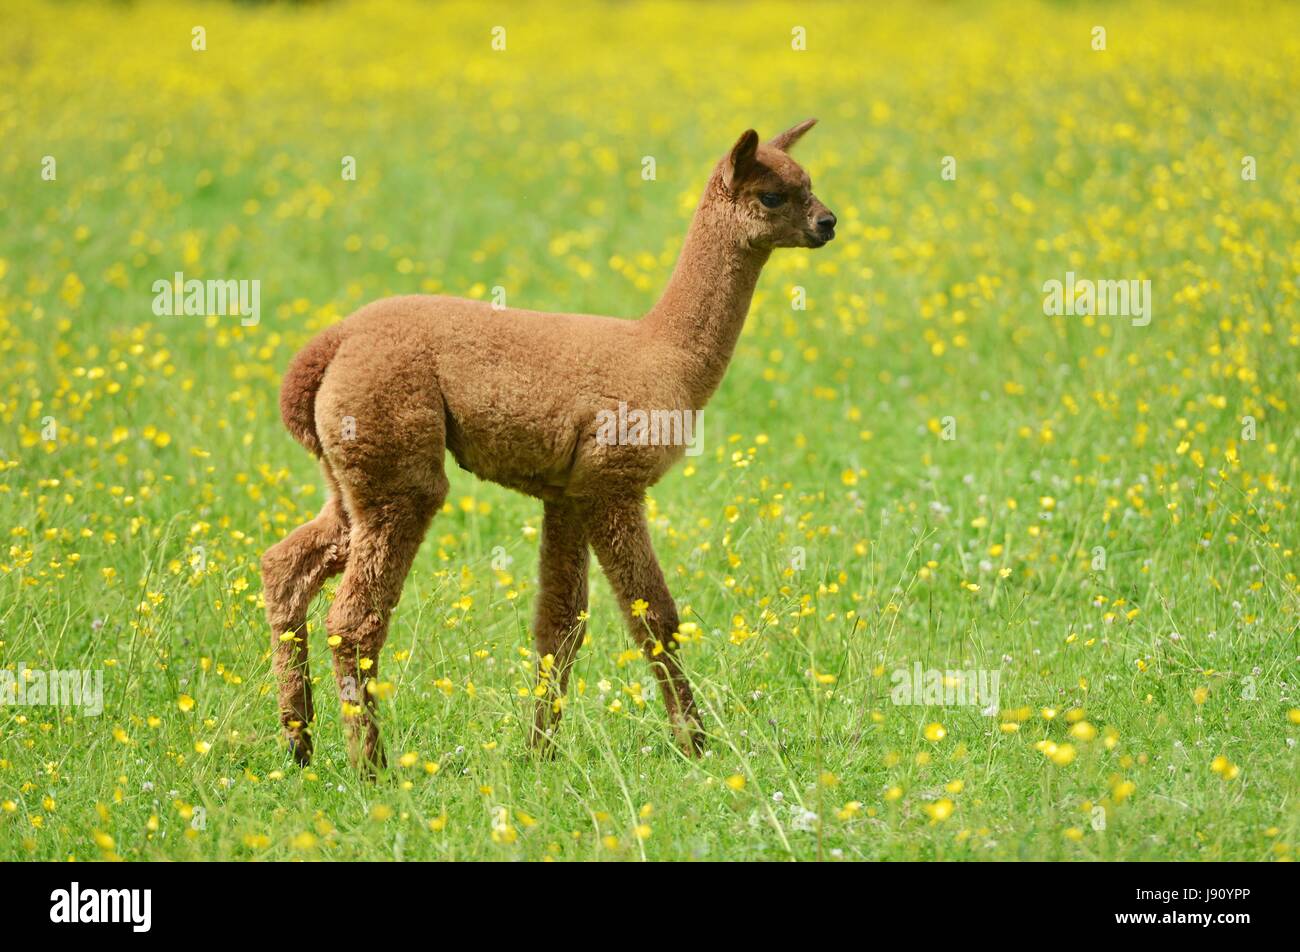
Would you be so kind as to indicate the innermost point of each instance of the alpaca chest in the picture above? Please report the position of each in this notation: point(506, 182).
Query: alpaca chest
point(519, 455)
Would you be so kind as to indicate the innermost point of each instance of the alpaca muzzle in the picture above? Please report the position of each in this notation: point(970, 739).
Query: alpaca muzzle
point(826, 226)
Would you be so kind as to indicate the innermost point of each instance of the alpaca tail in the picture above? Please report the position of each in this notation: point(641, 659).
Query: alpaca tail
point(301, 381)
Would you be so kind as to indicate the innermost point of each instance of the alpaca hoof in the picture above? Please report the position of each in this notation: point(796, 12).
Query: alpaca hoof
point(690, 738)
point(300, 748)
point(542, 743)
point(370, 765)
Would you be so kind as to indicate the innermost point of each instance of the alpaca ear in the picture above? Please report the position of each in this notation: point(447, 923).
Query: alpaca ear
point(792, 135)
point(741, 161)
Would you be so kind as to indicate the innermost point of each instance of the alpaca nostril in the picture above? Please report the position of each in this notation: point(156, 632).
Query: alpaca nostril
point(826, 224)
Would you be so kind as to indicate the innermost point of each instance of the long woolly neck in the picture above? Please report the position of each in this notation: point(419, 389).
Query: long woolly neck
point(703, 309)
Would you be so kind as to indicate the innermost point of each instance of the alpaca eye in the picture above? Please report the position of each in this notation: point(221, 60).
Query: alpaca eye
point(772, 199)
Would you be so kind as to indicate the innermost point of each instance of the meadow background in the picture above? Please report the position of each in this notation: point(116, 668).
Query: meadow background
point(1149, 708)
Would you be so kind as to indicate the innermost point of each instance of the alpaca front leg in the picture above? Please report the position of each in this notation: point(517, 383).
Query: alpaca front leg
point(559, 627)
point(621, 538)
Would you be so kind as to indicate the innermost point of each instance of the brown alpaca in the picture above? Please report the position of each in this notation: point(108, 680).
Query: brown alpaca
point(515, 396)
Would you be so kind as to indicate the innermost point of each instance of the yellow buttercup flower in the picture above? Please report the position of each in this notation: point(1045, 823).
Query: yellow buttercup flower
point(939, 810)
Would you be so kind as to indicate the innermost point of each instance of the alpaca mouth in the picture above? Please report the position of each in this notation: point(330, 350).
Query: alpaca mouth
point(816, 241)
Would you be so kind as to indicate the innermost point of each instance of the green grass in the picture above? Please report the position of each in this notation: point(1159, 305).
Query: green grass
point(825, 443)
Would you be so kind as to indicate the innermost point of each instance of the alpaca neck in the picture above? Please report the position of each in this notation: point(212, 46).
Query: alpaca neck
point(703, 309)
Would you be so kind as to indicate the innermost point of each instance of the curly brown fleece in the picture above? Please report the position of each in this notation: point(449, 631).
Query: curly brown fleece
point(515, 396)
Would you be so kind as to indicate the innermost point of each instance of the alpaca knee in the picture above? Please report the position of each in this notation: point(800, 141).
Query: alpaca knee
point(351, 622)
point(294, 569)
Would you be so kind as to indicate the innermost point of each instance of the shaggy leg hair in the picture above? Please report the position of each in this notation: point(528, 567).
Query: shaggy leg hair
point(559, 629)
point(621, 538)
point(293, 571)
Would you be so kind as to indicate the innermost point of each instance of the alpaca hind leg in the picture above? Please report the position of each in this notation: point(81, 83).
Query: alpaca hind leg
point(386, 533)
point(558, 625)
point(621, 540)
point(382, 427)
point(293, 571)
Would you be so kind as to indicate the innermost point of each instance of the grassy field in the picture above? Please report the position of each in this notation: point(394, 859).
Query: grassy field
point(921, 467)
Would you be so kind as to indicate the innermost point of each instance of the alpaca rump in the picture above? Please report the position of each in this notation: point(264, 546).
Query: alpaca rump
point(523, 399)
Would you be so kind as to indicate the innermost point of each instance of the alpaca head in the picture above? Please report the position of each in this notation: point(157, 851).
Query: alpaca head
point(767, 196)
